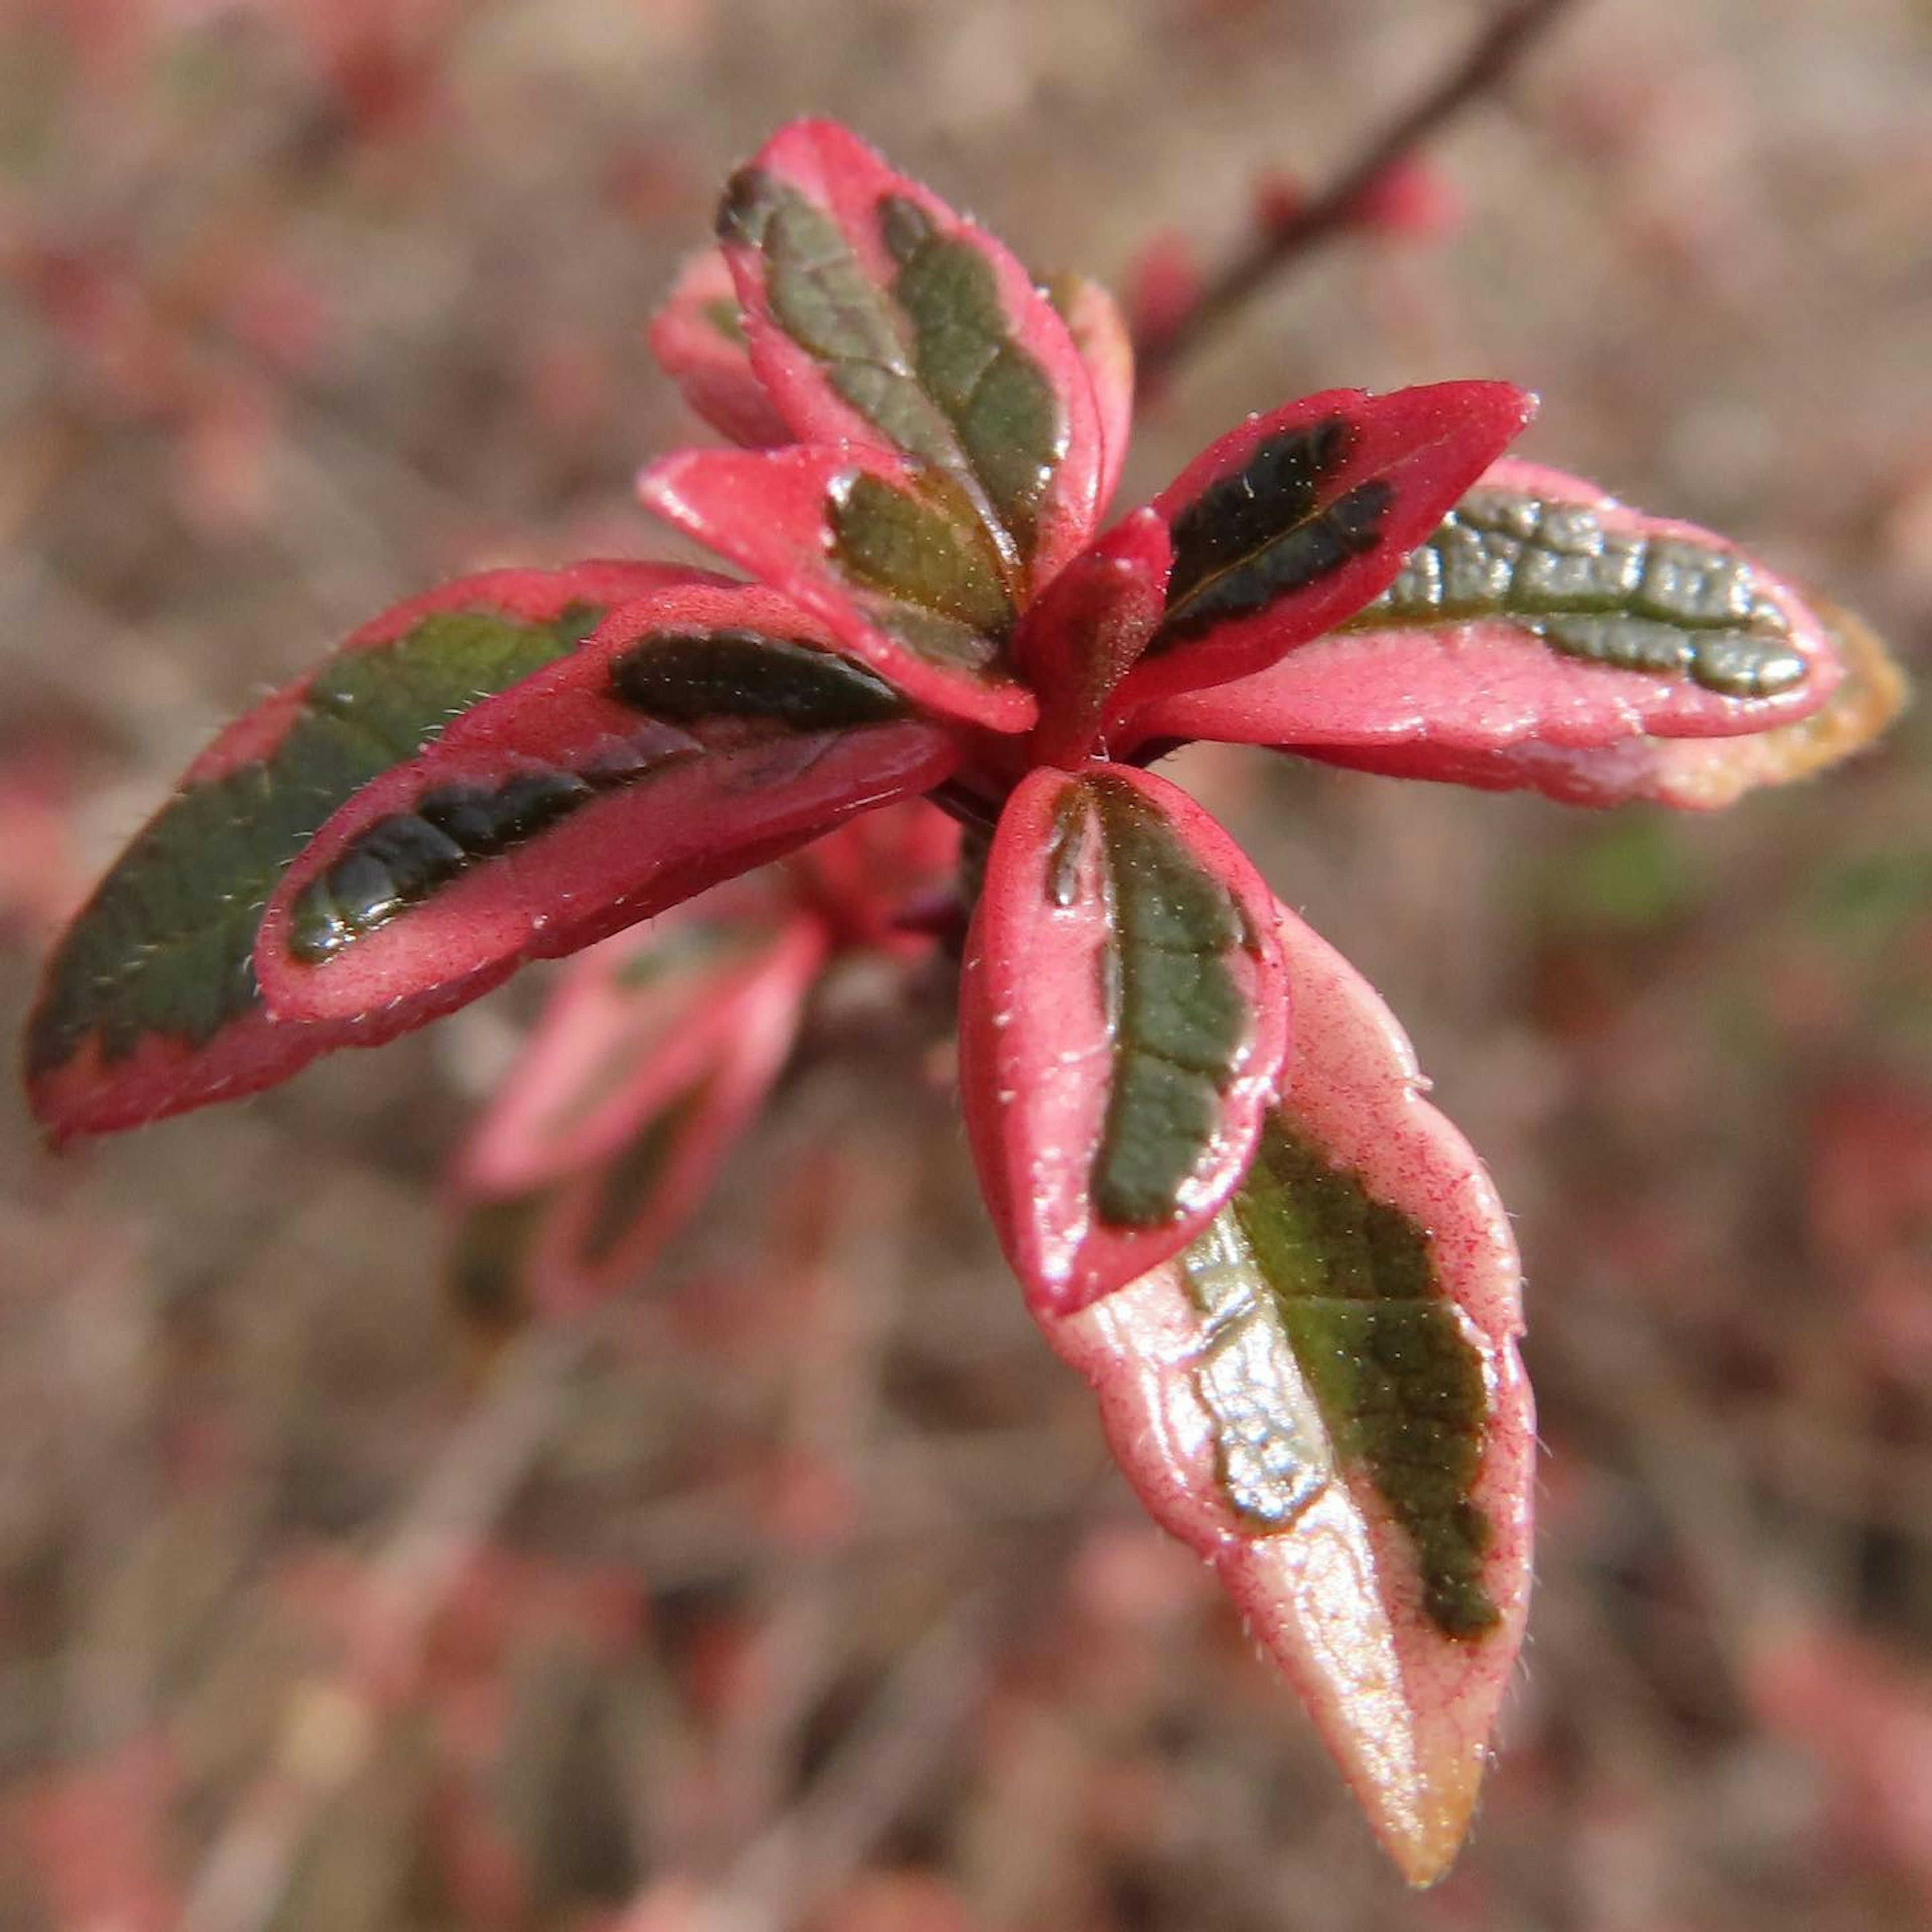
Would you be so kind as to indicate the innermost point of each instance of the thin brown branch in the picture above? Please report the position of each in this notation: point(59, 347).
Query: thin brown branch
point(1495, 55)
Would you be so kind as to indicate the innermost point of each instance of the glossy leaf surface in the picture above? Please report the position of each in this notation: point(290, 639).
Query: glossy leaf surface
point(876, 315)
point(1296, 520)
point(704, 732)
point(880, 550)
point(1541, 614)
point(1322, 1396)
point(698, 337)
point(1121, 1023)
point(1692, 774)
point(151, 1005)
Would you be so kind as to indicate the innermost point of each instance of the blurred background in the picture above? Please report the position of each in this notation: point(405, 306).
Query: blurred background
point(798, 1592)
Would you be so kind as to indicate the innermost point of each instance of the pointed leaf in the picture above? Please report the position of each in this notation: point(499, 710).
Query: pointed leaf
point(632, 1021)
point(646, 1068)
point(150, 1005)
point(1295, 521)
point(881, 551)
point(1693, 774)
point(1542, 617)
point(698, 734)
point(877, 315)
point(698, 337)
point(1121, 1024)
point(1322, 1396)
point(1106, 346)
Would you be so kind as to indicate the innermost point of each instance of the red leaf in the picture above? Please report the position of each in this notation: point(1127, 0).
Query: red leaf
point(1433, 686)
point(1232, 1441)
point(1294, 521)
point(699, 340)
point(1121, 1024)
point(1079, 639)
point(915, 599)
point(625, 779)
point(877, 315)
point(150, 1006)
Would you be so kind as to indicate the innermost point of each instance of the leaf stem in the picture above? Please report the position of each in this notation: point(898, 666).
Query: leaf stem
point(1489, 63)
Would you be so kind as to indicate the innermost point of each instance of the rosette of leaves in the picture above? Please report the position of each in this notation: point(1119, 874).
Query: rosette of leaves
point(1201, 1138)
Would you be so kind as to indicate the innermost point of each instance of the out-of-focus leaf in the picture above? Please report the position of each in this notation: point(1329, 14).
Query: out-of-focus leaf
point(1121, 1024)
point(151, 1004)
point(1298, 519)
point(698, 337)
point(877, 316)
point(699, 733)
point(1321, 1395)
point(1106, 346)
point(647, 1066)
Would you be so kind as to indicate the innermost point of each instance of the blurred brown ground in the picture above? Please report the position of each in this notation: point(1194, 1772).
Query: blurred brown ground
point(803, 1596)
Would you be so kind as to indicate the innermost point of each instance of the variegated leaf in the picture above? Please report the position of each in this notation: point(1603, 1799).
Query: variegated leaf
point(1121, 1024)
point(698, 337)
point(877, 315)
point(707, 732)
point(1541, 619)
point(150, 1004)
point(1322, 1396)
point(1295, 521)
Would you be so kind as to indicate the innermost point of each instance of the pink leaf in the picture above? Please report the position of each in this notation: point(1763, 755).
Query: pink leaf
point(1100, 333)
point(1295, 521)
point(1121, 1024)
point(646, 1068)
point(1323, 1398)
point(1693, 774)
point(150, 1005)
point(877, 315)
point(878, 549)
point(698, 338)
point(698, 734)
point(1543, 621)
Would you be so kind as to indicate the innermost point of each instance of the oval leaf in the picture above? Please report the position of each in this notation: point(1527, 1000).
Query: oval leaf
point(1541, 617)
point(699, 733)
point(1296, 520)
point(876, 315)
point(1121, 1024)
point(1692, 774)
point(1322, 1396)
point(150, 1005)
point(881, 551)
point(698, 337)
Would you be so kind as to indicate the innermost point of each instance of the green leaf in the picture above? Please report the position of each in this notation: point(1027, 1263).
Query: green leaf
point(1304, 1253)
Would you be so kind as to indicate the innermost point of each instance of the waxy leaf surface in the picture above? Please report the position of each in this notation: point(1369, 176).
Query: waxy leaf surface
point(1296, 520)
point(880, 550)
point(698, 337)
point(1322, 1396)
point(876, 315)
point(1121, 1024)
point(150, 1004)
point(1542, 618)
point(701, 734)
point(647, 1065)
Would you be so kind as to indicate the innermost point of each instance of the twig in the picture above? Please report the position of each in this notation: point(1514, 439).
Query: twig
point(1488, 64)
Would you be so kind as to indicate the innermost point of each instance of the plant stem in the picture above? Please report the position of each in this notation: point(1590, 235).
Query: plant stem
point(1489, 63)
